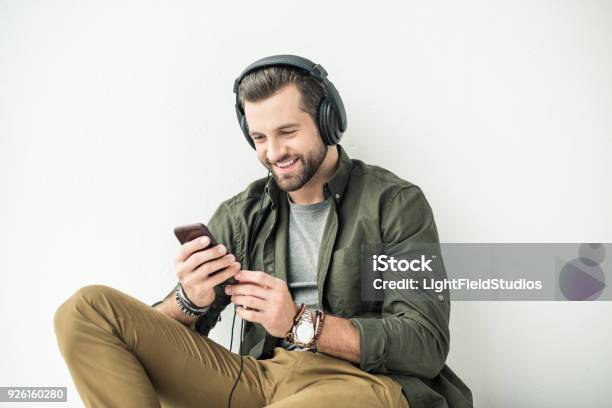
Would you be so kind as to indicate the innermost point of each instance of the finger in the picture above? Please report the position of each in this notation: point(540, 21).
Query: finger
point(247, 289)
point(196, 259)
point(256, 277)
point(249, 301)
point(224, 275)
point(190, 247)
point(249, 315)
point(199, 259)
point(212, 266)
point(208, 269)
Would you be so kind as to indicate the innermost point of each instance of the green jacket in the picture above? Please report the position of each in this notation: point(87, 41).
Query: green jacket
point(408, 341)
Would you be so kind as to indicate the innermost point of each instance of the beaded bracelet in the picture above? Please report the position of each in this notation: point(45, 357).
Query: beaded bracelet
point(186, 305)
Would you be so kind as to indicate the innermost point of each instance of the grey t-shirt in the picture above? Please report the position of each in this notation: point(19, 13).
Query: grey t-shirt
point(306, 225)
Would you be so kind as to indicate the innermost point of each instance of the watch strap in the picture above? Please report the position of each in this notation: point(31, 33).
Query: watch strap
point(290, 335)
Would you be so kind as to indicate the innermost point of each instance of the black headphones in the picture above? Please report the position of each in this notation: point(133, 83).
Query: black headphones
point(332, 116)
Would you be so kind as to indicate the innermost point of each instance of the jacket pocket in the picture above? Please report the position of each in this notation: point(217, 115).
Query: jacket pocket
point(344, 282)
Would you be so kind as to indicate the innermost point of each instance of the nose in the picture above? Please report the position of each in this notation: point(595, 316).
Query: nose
point(275, 150)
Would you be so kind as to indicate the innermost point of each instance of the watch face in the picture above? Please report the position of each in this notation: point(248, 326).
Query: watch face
point(304, 332)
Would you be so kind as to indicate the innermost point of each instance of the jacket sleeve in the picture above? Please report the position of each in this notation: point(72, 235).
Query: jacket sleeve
point(411, 336)
point(165, 297)
point(223, 227)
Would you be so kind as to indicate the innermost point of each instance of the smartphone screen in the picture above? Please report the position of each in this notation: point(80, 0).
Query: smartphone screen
point(186, 233)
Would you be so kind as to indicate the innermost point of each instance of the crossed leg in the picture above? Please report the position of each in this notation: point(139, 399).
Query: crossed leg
point(123, 353)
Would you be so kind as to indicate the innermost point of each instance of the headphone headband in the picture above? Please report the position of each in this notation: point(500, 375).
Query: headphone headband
point(331, 116)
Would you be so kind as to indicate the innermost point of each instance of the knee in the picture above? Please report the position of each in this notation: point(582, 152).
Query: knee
point(69, 315)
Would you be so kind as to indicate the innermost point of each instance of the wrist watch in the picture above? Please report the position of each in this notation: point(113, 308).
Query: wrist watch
point(303, 331)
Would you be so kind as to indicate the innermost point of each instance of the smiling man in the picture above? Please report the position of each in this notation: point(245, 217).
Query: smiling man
point(294, 151)
point(292, 242)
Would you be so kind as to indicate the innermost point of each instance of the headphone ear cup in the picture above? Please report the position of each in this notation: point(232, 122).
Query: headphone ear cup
point(245, 130)
point(328, 123)
point(322, 122)
point(334, 128)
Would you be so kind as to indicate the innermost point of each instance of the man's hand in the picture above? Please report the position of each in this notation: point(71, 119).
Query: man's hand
point(199, 270)
point(275, 311)
point(267, 298)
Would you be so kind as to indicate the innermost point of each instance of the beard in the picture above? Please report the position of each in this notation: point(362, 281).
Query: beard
point(311, 161)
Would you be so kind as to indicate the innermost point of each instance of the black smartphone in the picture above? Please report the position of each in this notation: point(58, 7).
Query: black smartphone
point(186, 233)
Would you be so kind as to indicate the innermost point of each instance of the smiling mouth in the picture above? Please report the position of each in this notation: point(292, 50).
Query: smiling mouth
point(286, 165)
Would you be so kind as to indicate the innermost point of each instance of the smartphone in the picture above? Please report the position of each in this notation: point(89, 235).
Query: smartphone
point(186, 233)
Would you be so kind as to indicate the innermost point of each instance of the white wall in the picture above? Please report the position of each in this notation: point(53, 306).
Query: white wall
point(117, 124)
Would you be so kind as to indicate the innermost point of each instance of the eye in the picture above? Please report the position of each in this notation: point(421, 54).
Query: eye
point(257, 138)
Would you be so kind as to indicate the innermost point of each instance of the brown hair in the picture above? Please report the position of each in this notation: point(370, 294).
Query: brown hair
point(263, 83)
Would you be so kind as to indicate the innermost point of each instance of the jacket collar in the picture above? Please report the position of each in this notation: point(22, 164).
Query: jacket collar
point(336, 185)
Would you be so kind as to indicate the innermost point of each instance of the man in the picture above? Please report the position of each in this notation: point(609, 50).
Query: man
point(309, 339)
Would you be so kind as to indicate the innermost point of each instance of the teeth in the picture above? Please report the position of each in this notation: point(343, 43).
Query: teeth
point(286, 163)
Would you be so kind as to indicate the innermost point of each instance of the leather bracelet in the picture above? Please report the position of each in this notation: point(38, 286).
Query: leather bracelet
point(186, 305)
point(189, 311)
point(319, 319)
point(186, 300)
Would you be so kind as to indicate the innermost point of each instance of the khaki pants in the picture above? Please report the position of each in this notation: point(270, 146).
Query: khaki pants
point(123, 353)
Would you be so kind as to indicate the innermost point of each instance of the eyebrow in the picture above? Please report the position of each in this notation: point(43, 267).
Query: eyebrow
point(281, 127)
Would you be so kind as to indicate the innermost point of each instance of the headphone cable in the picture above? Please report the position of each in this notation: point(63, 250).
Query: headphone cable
point(247, 257)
